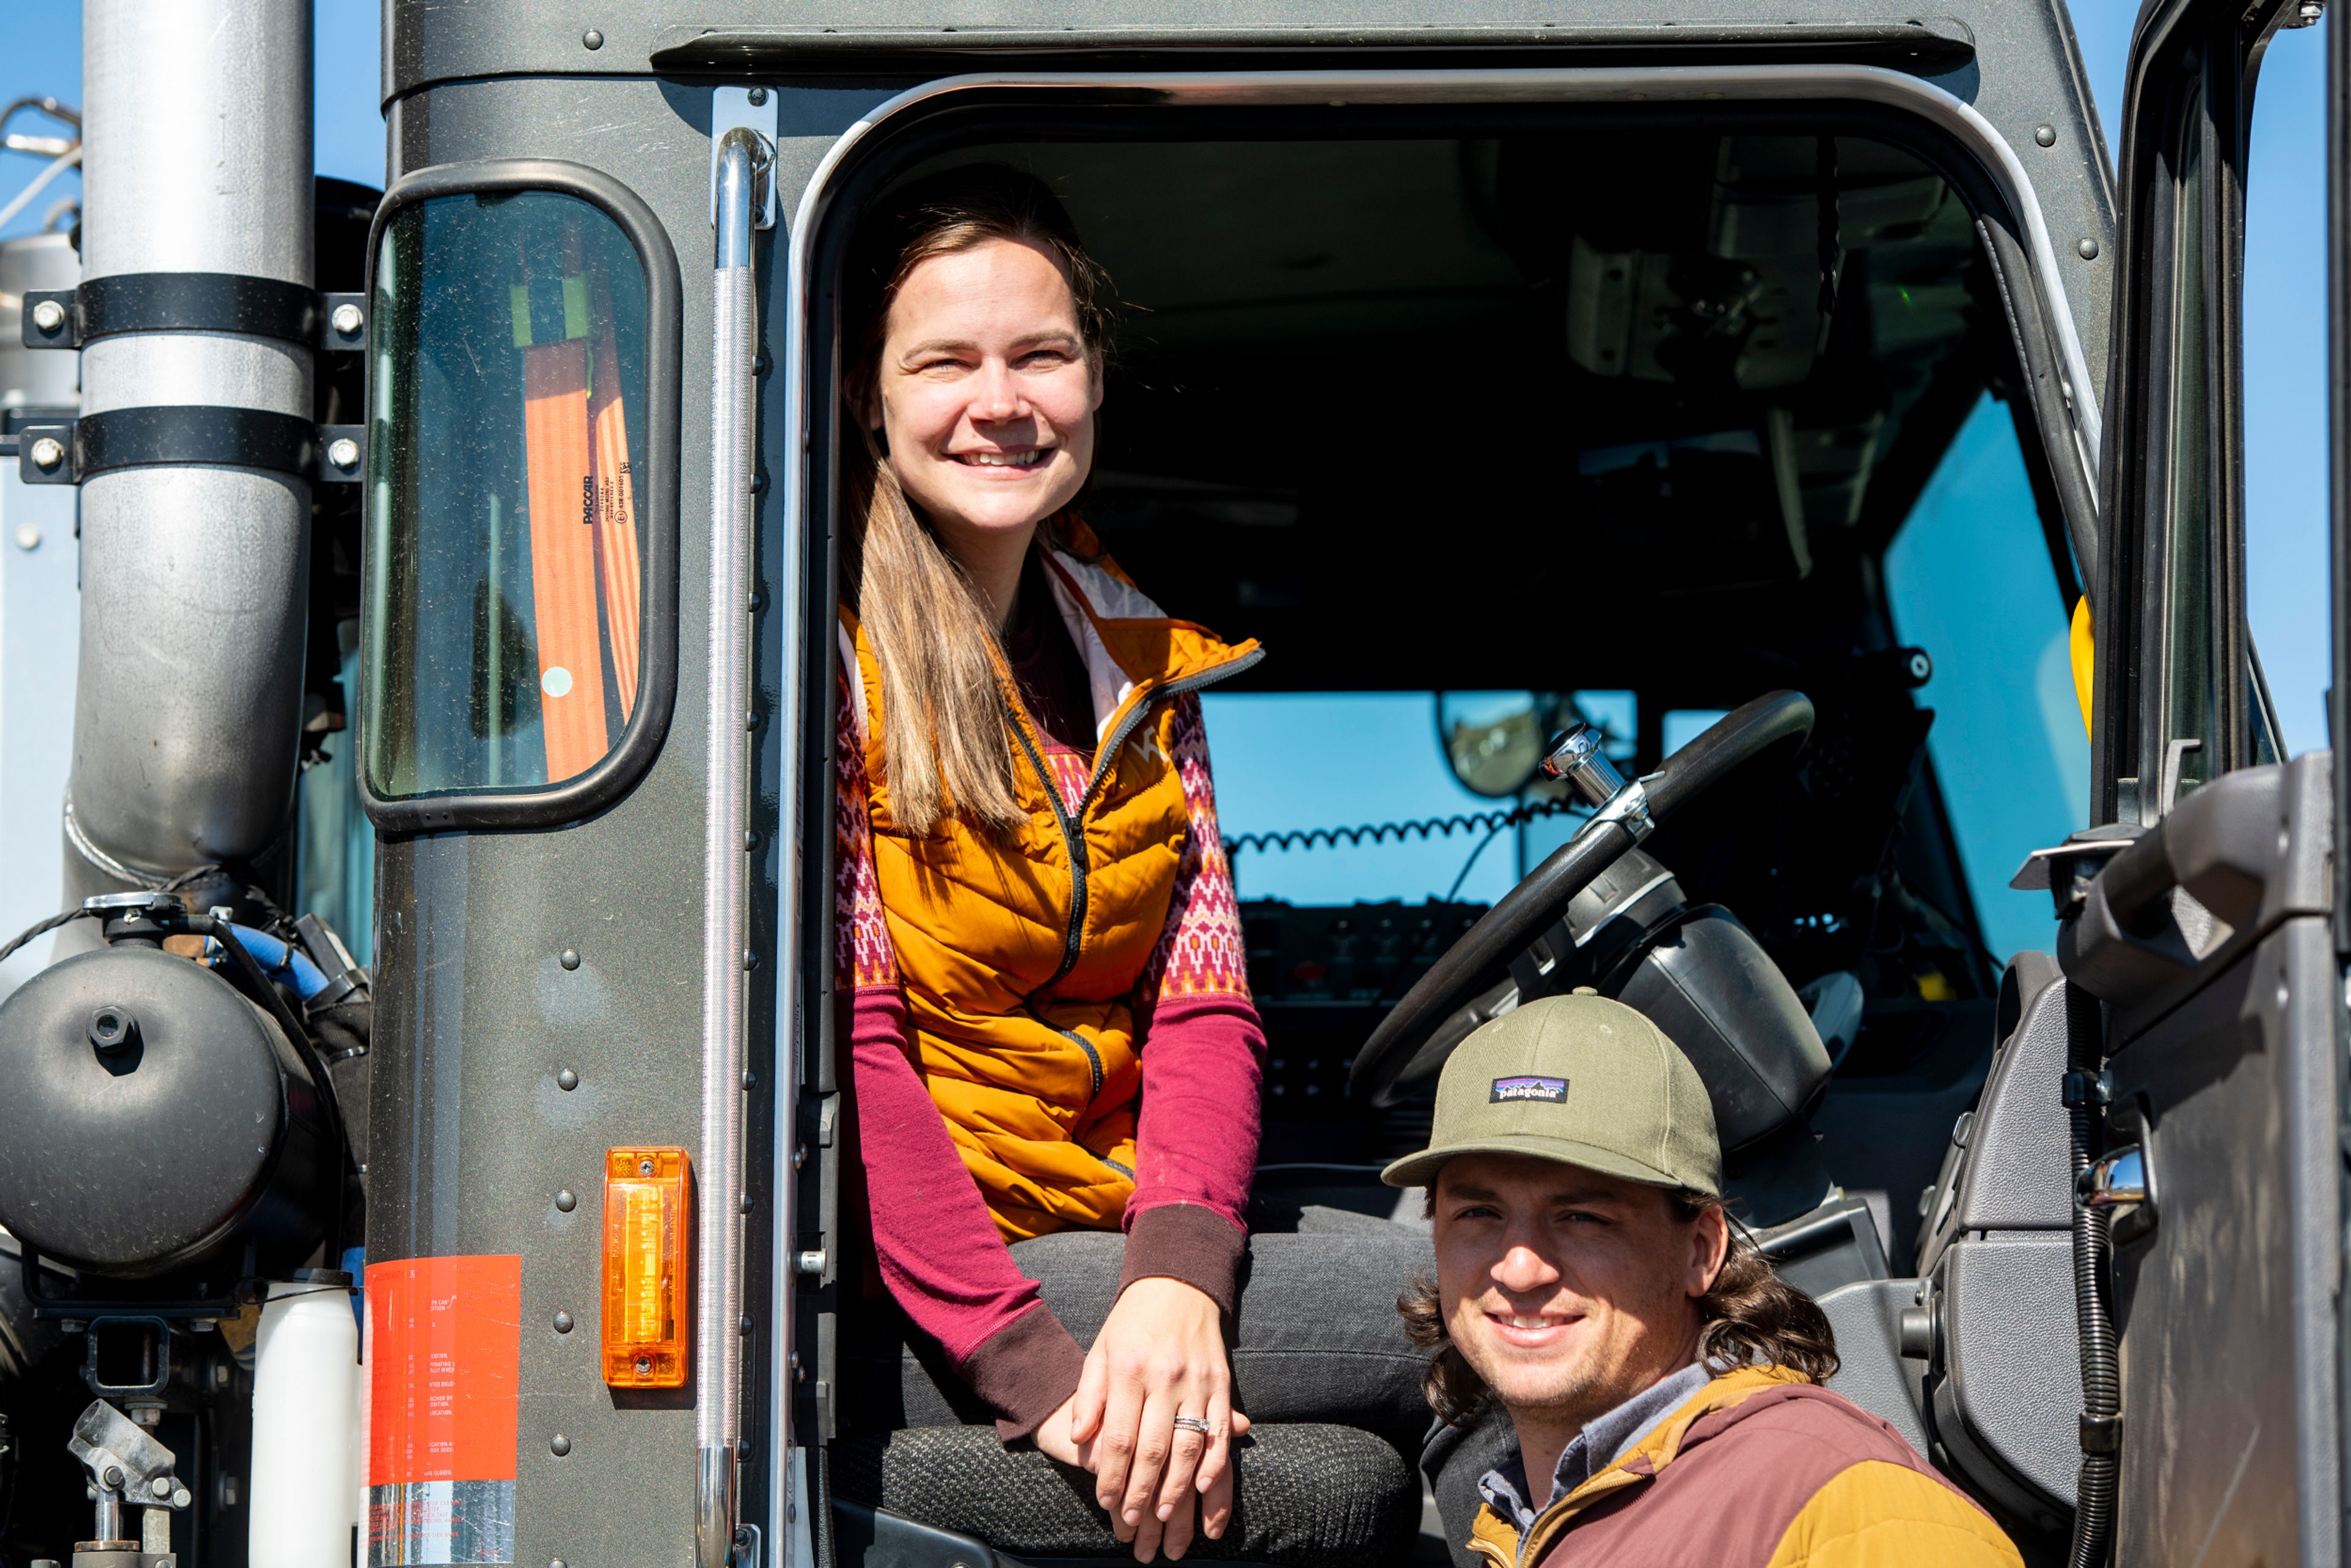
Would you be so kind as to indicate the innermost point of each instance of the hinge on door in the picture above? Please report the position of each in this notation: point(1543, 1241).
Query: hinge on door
point(2084, 1089)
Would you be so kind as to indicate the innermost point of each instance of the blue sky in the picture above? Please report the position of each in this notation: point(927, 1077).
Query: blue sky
point(348, 141)
point(1275, 774)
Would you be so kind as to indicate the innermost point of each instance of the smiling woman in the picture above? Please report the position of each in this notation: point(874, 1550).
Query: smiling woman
point(975, 392)
point(1031, 882)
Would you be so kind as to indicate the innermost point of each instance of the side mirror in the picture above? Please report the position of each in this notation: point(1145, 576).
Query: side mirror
point(1494, 741)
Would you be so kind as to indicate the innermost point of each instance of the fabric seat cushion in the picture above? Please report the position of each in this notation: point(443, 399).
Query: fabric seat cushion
point(1307, 1496)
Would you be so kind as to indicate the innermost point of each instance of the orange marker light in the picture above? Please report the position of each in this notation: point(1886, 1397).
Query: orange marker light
point(647, 1218)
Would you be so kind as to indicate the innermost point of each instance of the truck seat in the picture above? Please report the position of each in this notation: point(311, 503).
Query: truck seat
point(1308, 1497)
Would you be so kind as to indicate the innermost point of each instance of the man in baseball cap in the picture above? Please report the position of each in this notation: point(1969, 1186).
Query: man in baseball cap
point(1663, 1386)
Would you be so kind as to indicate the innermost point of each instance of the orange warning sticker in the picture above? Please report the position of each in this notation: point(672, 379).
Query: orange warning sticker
point(444, 1383)
point(445, 1378)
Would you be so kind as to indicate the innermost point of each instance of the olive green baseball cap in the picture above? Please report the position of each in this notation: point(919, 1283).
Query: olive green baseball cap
point(1579, 1079)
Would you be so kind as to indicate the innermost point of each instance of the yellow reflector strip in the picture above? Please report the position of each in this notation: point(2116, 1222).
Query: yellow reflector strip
point(647, 1218)
point(2084, 651)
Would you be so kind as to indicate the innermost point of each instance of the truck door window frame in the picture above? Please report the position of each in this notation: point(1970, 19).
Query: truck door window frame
point(930, 117)
point(2180, 696)
point(630, 754)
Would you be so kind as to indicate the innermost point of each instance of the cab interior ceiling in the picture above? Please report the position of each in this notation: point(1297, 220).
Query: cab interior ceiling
point(1658, 393)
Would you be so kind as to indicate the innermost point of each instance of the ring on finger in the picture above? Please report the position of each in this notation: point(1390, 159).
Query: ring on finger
point(1195, 1424)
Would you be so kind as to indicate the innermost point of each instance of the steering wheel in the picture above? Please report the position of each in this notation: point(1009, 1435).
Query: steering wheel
point(1392, 1057)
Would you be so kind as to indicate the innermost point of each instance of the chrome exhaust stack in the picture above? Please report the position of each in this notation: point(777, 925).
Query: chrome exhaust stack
point(188, 708)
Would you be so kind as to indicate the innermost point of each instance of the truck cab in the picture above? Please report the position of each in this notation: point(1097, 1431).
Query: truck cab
point(1780, 418)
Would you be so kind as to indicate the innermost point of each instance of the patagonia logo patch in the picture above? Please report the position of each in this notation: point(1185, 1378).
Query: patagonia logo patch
point(1547, 1091)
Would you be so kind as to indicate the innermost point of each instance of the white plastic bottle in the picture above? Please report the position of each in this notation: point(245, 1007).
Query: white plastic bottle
point(306, 1426)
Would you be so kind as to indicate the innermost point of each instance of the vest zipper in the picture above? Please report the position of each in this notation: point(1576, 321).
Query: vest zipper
point(1552, 1523)
point(1176, 688)
point(1093, 1057)
point(1073, 836)
point(1073, 840)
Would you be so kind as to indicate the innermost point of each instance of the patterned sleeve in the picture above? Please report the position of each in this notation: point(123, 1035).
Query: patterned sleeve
point(1203, 1058)
point(1200, 952)
point(862, 955)
point(936, 1245)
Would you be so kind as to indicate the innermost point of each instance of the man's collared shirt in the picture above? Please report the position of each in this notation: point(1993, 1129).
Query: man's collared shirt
point(1604, 1440)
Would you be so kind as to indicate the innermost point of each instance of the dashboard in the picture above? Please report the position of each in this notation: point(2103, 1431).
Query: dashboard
point(1323, 976)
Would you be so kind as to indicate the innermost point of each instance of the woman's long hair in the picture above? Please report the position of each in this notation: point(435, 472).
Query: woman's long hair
point(945, 745)
point(1752, 1317)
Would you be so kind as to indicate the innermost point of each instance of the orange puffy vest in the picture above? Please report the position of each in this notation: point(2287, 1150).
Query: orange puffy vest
point(1018, 953)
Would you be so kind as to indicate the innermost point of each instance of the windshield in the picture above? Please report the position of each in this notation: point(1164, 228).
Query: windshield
point(1341, 797)
point(1968, 579)
point(1293, 761)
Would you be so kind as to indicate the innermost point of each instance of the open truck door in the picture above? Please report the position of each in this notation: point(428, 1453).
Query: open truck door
point(2205, 1006)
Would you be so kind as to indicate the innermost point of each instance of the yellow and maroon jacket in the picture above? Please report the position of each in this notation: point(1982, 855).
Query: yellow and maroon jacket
point(1761, 1469)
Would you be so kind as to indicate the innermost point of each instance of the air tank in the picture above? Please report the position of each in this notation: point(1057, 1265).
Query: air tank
point(154, 1120)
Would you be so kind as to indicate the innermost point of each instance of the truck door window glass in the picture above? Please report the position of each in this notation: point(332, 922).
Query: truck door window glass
point(2284, 375)
point(504, 614)
point(1968, 579)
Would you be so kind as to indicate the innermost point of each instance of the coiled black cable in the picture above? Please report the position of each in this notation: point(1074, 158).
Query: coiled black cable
point(2102, 1392)
point(1375, 833)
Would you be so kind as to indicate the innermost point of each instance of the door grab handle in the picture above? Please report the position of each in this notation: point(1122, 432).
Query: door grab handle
point(2222, 868)
point(741, 155)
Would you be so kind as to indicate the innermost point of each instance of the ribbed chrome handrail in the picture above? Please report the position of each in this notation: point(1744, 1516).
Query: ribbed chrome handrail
point(718, 1340)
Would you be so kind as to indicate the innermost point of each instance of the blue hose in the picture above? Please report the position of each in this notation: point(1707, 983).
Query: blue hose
point(283, 962)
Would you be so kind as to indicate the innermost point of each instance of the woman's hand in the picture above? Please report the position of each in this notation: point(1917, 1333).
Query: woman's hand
point(1160, 1355)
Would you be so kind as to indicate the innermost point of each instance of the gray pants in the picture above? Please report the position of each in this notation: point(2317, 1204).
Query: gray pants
point(1316, 1337)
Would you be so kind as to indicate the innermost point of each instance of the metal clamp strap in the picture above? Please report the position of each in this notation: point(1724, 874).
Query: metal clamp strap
point(2088, 1088)
point(193, 302)
point(1629, 808)
point(183, 436)
point(2102, 1434)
